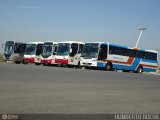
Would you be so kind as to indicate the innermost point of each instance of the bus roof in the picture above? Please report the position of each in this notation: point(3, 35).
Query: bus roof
point(107, 43)
point(37, 42)
point(51, 42)
point(71, 42)
point(16, 42)
point(153, 51)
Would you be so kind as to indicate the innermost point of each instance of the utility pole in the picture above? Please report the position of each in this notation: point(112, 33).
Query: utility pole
point(141, 30)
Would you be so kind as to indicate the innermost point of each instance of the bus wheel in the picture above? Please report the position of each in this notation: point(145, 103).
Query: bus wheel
point(25, 62)
point(140, 70)
point(17, 62)
point(109, 66)
point(79, 65)
point(126, 71)
point(37, 63)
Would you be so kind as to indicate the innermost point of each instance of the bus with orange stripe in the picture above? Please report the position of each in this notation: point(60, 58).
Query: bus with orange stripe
point(104, 55)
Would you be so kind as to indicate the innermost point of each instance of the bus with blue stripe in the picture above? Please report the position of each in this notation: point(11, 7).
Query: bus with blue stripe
point(104, 55)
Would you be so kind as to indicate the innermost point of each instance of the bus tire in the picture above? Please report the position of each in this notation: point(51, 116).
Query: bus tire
point(139, 70)
point(79, 65)
point(126, 70)
point(25, 62)
point(109, 66)
point(37, 63)
point(17, 62)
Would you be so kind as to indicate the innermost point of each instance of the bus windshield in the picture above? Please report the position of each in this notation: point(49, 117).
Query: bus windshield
point(30, 49)
point(90, 50)
point(47, 50)
point(9, 48)
point(63, 49)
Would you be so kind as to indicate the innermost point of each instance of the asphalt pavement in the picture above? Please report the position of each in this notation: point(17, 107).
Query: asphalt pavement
point(47, 89)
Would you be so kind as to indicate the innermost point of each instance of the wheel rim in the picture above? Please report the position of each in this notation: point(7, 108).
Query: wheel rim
point(140, 70)
point(108, 67)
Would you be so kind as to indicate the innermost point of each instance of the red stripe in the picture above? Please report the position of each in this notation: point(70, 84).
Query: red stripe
point(31, 59)
point(49, 61)
point(149, 66)
point(61, 61)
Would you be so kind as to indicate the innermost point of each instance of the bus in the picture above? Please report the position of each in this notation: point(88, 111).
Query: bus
point(68, 53)
point(33, 52)
point(48, 53)
point(14, 51)
point(104, 55)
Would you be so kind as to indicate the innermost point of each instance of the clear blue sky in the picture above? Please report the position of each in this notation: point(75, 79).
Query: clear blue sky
point(115, 21)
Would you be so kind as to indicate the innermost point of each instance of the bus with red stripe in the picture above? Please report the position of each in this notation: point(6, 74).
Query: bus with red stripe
point(48, 53)
point(104, 55)
point(33, 52)
point(68, 53)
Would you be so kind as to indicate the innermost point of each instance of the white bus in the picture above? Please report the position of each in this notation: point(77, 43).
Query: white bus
point(116, 57)
point(68, 53)
point(33, 52)
point(48, 53)
point(14, 51)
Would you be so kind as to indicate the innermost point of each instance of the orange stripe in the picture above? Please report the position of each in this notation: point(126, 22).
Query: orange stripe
point(129, 62)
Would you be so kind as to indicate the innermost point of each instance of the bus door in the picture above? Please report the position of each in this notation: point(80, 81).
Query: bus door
point(73, 54)
point(103, 52)
point(54, 50)
point(38, 53)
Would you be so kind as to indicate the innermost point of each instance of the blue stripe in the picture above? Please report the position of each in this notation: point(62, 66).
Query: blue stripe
point(149, 70)
point(121, 67)
point(101, 64)
point(150, 61)
point(124, 67)
point(133, 67)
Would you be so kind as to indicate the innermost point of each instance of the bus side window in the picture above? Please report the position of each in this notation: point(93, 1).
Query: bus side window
point(150, 56)
point(39, 49)
point(17, 48)
point(130, 53)
point(55, 50)
point(102, 52)
point(121, 51)
point(22, 48)
point(111, 50)
point(80, 48)
point(74, 47)
point(140, 54)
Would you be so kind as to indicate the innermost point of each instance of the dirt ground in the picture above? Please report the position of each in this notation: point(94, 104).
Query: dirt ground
point(1, 57)
point(158, 71)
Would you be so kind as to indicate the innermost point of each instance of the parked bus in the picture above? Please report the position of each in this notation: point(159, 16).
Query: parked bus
point(14, 51)
point(48, 53)
point(68, 53)
point(116, 57)
point(33, 52)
